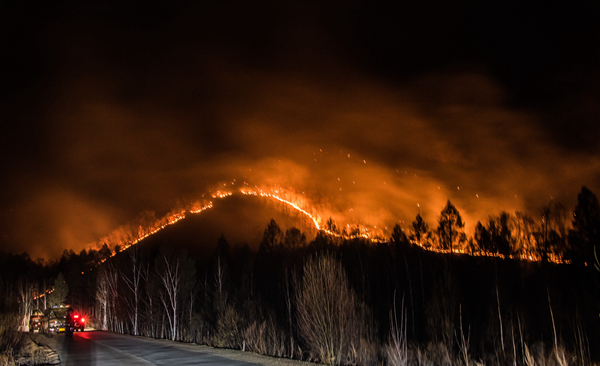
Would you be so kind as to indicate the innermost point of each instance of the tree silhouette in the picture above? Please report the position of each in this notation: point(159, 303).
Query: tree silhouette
point(61, 289)
point(419, 230)
point(398, 235)
point(331, 226)
point(133, 280)
point(271, 238)
point(558, 221)
point(482, 238)
point(268, 262)
point(294, 238)
point(450, 227)
point(332, 320)
point(103, 253)
point(502, 236)
point(585, 235)
point(523, 234)
point(168, 268)
point(222, 249)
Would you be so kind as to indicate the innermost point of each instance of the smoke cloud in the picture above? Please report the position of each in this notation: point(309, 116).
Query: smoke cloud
point(140, 118)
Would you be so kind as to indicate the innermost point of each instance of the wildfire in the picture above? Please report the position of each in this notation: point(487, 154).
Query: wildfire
point(219, 194)
point(197, 209)
point(37, 296)
point(314, 218)
point(171, 219)
point(551, 257)
point(261, 193)
point(124, 239)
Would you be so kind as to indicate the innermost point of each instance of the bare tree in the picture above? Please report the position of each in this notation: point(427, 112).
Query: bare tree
point(330, 319)
point(187, 294)
point(397, 348)
point(134, 283)
point(25, 290)
point(102, 293)
point(111, 276)
point(220, 279)
point(289, 282)
point(170, 276)
point(45, 296)
point(150, 286)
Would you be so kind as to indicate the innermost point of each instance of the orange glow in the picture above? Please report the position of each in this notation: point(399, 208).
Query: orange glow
point(316, 219)
point(124, 238)
point(39, 296)
point(261, 193)
point(219, 194)
point(299, 203)
point(197, 208)
point(552, 258)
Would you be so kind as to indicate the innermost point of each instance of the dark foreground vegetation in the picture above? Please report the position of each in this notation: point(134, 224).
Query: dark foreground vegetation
point(332, 300)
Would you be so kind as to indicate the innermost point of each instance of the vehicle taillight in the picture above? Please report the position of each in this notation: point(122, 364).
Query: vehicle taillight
point(76, 316)
point(82, 320)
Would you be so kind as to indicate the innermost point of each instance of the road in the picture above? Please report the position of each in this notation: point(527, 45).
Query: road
point(97, 348)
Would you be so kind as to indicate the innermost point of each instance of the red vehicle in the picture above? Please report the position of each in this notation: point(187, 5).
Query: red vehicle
point(77, 322)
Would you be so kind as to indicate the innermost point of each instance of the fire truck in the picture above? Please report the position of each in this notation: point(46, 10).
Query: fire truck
point(63, 318)
point(35, 321)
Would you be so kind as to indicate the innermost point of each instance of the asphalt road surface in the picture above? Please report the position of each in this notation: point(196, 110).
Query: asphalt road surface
point(107, 349)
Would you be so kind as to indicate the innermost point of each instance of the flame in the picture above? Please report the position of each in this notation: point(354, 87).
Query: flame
point(219, 194)
point(299, 204)
point(171, 219)
point(124, 239)
point(195, 209)
point(40, 295)
point(261, 193)
point(316, 219)
point(531, 257)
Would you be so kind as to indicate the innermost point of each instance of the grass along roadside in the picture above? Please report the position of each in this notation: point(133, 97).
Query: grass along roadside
point(18, 348)
point(12, 340)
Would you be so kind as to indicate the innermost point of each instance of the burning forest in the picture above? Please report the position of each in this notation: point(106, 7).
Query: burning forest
point(214, 172)
point(400, 299)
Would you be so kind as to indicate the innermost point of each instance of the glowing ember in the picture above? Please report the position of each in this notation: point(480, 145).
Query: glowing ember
point(197, 209)
point(219, 194)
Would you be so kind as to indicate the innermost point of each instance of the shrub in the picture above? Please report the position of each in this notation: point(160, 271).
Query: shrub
point(11, 338)
point(227, 334)
point(265, 338)
point(397, 348)
point(332, 321)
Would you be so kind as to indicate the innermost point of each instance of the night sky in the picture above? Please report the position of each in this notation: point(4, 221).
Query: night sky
point(375, 112)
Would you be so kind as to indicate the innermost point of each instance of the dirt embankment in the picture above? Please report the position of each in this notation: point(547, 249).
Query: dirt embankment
point(33, 353)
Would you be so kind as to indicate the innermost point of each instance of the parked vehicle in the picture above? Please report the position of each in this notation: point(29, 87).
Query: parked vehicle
point(36, 321)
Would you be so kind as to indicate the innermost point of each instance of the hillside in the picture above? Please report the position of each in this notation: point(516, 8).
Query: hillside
point(241, 219)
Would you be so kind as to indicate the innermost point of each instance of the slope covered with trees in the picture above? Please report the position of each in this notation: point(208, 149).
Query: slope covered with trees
point(340, 300)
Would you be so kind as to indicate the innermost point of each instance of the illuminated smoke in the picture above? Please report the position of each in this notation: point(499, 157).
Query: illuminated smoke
point(130, 125)
point(146, 226)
